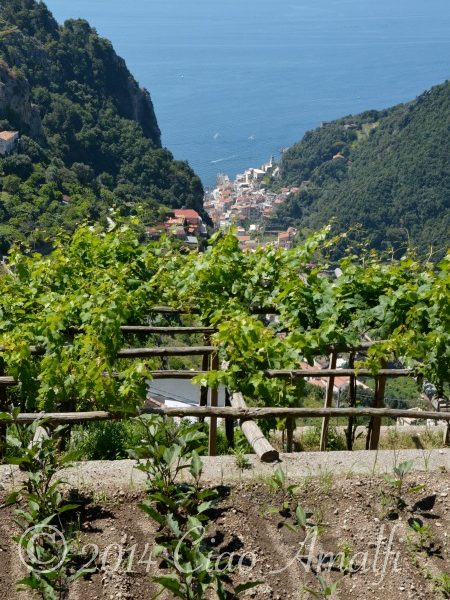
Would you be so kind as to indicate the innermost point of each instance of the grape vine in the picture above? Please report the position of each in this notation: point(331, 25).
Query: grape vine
point(98, 280)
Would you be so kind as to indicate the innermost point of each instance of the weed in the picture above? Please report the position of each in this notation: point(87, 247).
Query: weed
point(107, 440)
point(325, 480)
point(421, 538)
point(442, 583)
point(42, 508)
point(345, 561)
point(393, 499)
point(326, 589)
point(278, 484)
point(241, 460)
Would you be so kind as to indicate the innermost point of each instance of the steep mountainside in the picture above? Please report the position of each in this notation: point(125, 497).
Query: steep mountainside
point(88, 132)
point(16, 105)
point(388, 171)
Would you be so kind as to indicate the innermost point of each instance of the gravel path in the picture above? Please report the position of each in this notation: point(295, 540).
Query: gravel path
point(104, 476)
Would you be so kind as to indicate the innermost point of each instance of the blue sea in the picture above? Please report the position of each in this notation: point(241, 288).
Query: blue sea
point(234, 81)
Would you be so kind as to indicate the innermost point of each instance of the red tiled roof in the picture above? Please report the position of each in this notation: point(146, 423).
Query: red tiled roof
point(7, 135)
point(187, 213)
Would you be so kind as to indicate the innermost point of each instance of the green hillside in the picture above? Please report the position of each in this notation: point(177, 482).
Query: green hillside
point(88, 132)
point(388, 171)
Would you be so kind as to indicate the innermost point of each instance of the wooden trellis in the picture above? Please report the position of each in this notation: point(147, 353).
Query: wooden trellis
point(235, 405)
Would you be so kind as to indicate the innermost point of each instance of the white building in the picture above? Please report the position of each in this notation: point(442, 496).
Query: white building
point(8, 141)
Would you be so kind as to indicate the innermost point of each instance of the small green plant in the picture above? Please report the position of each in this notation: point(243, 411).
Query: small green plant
point(394, 498)
point(421, 538)
point(241, 460)
point(344, 559)
point(42, 510)
point(442, 584)
point(182, 509)
point(108, 440)
point(278, 484)
point(325, 480)
point(326, 589)
point(303, 523)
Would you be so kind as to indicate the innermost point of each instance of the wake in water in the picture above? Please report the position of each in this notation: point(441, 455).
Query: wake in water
point(219, 160)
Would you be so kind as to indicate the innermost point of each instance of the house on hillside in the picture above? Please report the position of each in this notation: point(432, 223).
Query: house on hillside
point(286, 238)
point(340, 384)
point(193, 223)
point(8, 141)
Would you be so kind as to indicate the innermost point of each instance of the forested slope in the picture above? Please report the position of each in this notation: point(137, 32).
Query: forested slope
point(88, 132)
point(388, 171)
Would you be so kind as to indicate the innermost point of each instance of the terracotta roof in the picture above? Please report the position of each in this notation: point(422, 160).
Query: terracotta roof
point(187, 213)
point(7, 135)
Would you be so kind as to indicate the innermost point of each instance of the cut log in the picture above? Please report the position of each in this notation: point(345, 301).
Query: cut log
point(254, 435)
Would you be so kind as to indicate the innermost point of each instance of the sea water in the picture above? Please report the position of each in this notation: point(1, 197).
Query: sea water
point(234, 81)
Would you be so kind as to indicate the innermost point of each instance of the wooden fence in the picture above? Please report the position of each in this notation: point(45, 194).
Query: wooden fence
point(235, 408)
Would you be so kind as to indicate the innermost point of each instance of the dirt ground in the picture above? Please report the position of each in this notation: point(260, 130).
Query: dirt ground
point(356, 532)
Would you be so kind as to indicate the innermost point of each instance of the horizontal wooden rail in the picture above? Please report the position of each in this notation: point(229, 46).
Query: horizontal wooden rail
point(180, 374)
point(150, 329)
point(255, 310)
point(169, 351)
point(146, 352)
point(176, 374)
point(165, 374)
point(173, 311)
point(317, 373)
point(233, 413)
point(144, 329)
point(360, 346)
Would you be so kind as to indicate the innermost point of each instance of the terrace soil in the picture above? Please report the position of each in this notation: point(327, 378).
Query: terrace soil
point(247, 521)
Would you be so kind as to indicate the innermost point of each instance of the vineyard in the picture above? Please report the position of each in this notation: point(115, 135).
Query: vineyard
point(83, 331)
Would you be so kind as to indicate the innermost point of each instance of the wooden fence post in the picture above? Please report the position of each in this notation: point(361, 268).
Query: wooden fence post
point(290, 427)
point(213, 402)
point(373, 435)
point(3, 408)
point(374, 428)
point(447, 435)
point(352, 402)
point(328, 403)
point(229, 423)
point(204, 389)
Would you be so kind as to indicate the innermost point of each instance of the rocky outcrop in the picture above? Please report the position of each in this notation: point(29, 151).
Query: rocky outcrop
point(16, 105)
point(144, 113)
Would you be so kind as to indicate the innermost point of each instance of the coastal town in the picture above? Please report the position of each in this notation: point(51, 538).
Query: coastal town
point(247, 204)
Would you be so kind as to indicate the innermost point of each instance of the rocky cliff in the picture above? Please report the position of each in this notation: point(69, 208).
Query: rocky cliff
point(16, 105)
point(89, 132)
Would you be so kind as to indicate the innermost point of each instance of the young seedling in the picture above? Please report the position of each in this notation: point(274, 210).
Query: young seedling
point(442, 583)
point(182, 511)
point(422, 539)
point(344, 559)
point(394, 500)
point(278, 484)
point(327, 589)
point(241, 460)
point(46, 537)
